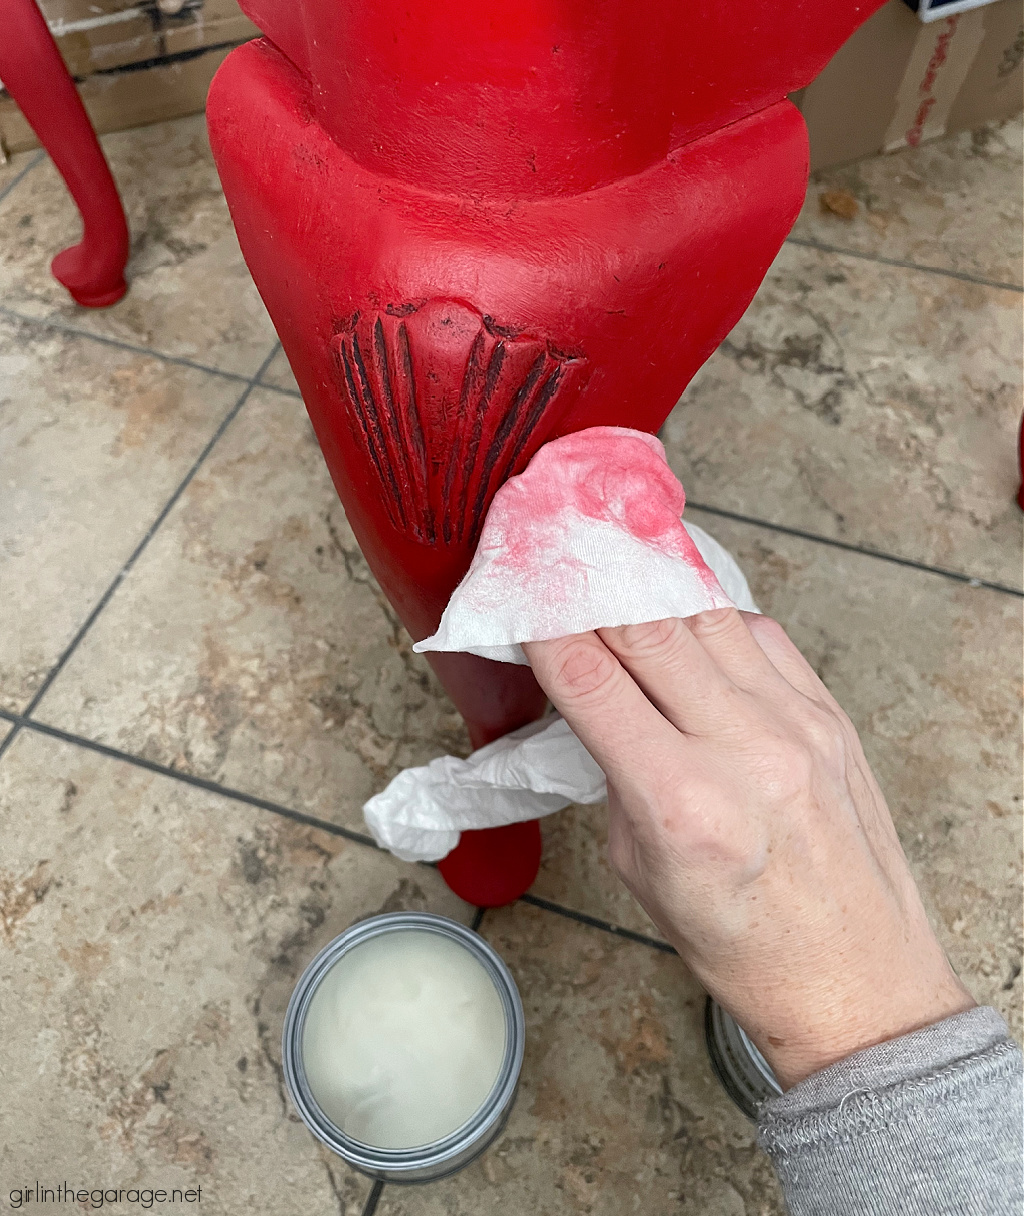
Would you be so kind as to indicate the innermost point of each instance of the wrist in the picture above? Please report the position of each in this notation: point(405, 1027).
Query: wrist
point(834, 1032)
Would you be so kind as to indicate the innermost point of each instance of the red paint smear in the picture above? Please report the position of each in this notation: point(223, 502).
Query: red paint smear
point(610, 474)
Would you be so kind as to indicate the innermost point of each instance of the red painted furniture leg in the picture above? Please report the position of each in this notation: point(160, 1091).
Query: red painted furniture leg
point(480, 226)
point(494, 867)
point(35, 76)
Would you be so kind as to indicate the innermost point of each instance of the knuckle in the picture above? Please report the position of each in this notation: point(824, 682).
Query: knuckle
point(696, 825)
point(787, 769)
point(718, 622)
point(648, 639)
point(820, 730)
point(764, 627)
point(585, 670)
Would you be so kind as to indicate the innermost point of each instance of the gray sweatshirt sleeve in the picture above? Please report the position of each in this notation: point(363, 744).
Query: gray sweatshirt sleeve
point(925, 1125)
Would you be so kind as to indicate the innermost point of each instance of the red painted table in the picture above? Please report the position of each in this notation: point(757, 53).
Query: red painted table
point(477, 227)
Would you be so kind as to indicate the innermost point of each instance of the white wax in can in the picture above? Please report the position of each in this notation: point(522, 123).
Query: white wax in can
point(404, 1039)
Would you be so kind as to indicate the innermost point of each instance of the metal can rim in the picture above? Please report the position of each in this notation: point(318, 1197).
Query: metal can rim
point(743, 1071)
point(438, 1158)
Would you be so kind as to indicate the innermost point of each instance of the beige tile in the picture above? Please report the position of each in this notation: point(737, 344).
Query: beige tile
point(250, 644)
point(149, 939)
point(953, 203)
point(190, 294)
point(868, 403)
point(618, 1110)
point(279, 373)
point(15, 164)
point(93, 441)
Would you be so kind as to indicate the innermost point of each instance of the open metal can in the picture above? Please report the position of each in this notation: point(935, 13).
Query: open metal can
point(743, 1071)
point(427, 1162)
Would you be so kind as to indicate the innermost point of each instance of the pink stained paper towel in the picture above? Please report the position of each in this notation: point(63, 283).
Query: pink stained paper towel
point(589, 535)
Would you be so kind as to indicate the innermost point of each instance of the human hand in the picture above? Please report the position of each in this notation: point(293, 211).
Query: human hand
point(745, 819)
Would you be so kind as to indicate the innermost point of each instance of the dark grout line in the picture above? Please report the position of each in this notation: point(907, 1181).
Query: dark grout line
point(955, 575)
point(276, 808)
point(38, 159)
point(273, 388)
point(824, 247)
point(596, 923)
point(151, 531)
point(256, 381)
point(202, 783)
point(276, 388)
point(373, 1199)
point(63, 327)
point(288, 392)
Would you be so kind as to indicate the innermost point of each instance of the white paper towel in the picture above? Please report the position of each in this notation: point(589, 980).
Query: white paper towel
point(588, 536)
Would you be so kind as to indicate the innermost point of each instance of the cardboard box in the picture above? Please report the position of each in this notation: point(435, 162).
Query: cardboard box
point(900, 81)
point(135, 61)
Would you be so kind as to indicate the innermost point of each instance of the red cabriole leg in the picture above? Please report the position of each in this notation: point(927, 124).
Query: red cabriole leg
point(477, 227)
point(34, 74)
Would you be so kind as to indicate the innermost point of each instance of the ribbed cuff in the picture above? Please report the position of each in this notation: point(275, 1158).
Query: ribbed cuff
point(926, 1124)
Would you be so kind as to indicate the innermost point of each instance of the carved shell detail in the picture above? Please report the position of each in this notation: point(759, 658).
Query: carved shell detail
point(448, 405)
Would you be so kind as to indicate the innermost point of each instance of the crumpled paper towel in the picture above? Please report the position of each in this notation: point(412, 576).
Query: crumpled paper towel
point(588, 536)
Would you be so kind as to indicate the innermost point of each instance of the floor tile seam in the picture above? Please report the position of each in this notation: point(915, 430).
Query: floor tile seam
point(963, 276)
point(596, 922)
point(257, 382)
point(38, 159)
point(140, 548)
point(61, 326)
point(373, 1198)
point(848, 547)
point(276, 388)
point(24, 722)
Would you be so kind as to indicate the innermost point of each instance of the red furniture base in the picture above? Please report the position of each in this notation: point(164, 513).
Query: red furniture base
point(494, 867)
point(480, 227)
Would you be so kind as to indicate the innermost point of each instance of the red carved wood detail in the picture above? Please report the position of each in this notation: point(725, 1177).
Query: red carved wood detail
point(448, 404)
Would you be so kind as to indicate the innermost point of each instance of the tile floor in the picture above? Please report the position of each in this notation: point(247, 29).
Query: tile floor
point(200, 684)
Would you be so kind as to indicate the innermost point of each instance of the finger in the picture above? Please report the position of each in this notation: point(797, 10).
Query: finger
point(678, 674)
point(727, 638)
point(603, 705)
point(785, 657)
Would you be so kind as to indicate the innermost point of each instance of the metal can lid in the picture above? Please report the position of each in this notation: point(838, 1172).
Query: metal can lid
point(441, 1157)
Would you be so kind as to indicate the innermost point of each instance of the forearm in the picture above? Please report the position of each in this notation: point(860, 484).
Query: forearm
point(925, 1125)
